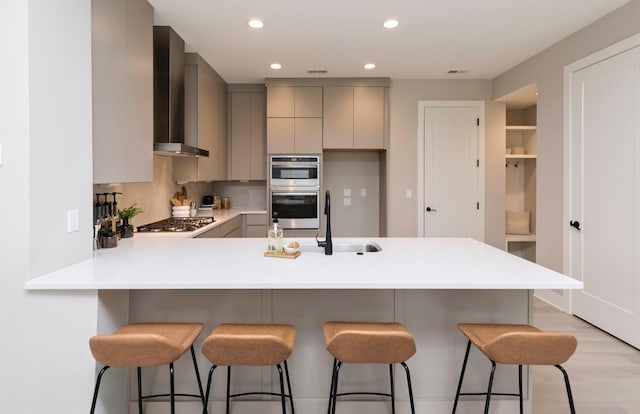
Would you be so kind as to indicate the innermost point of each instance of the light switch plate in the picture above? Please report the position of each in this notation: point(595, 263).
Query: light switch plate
point(408, 193)
point(73, 220)
point(363, 192)
point(346, 192)
point(0, 154)
point(347, 201)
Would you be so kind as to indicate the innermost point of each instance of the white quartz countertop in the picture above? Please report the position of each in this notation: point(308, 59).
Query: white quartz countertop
point(403, 263)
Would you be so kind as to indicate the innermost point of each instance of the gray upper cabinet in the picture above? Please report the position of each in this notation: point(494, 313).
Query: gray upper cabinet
point(122, 71)
point(294, 102)
point(247, 131)
point(205, 122)
point(294, 119)
point(354, 117)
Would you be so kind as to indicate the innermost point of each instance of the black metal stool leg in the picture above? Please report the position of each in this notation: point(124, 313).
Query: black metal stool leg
point(566, 383)
point(333, 380)
point(228, 386)
point(195, 367)
point(393, 394)
point(410, 388)
point(286, 371)
point(488, 400)
point(335, 387)
point(97, 387)
point(139, 390)
point(209, 383)
point(172, 391)
point(464, 367)
point(520, 388)
point(282, 398)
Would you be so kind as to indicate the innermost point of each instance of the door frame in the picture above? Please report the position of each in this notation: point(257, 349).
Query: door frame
point(422, 106)
point(569, 70)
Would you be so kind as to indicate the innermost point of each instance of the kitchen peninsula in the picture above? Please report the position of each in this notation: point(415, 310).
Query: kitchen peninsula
point(428, 284)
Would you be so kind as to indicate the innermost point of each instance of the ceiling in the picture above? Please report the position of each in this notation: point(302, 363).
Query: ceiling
point(485, 38)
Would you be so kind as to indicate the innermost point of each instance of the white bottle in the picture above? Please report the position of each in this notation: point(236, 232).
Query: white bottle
point(275, 236)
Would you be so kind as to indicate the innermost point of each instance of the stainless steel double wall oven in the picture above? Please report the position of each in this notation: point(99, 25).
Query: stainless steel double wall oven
point(294, 190)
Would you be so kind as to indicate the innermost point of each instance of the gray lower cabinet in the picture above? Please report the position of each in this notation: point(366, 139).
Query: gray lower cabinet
point(247, 131)
point(255, 225)
point(122, 72)
point(231, 228)
point(205, 122)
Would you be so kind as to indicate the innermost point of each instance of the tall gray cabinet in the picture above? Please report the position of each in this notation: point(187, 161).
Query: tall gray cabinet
point(122, 70)
point(205, 122)
point(247, 132)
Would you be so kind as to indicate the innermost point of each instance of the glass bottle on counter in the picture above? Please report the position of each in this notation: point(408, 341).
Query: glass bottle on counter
point(275, 236)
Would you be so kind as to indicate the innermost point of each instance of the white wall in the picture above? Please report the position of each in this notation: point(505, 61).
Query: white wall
point(45, 133)
point(402, 168)
point(546, 69)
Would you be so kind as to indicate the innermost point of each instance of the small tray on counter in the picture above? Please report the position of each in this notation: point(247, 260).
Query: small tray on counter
point(283, 255)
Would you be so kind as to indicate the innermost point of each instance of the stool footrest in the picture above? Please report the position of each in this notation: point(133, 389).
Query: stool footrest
point(275, 394)
point(144, 397)
point(493, 393)
point(382, 394)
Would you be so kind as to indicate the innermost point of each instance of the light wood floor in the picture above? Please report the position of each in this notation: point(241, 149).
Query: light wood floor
point(604, 372)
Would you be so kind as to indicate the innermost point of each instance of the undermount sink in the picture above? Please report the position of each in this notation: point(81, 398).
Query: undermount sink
point(361, 247)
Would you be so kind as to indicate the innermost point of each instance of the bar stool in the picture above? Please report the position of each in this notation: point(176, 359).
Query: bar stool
point(517, 345)
point(250, 345)
point(146, 345)
point(368, 343)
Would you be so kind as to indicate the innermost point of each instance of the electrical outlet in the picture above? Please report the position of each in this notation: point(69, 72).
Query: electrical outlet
point(363, 192)
point(408, 193)
point(73, 220)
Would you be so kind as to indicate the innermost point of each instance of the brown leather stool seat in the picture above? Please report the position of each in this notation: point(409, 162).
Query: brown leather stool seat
point(368, 343)
point(517, 345)
point(250, 345)
point(146, 345)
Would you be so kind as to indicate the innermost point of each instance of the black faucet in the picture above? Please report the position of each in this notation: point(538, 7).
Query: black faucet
point(327, 243)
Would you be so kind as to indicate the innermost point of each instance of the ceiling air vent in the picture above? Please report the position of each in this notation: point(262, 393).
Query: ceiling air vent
point(457, 71)
point(316, 71)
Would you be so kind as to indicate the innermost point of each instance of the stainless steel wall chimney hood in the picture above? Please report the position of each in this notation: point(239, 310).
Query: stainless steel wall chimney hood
point(168, 95)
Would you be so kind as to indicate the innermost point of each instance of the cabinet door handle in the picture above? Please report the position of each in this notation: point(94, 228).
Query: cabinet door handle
point(431, 209)
point(575, 224)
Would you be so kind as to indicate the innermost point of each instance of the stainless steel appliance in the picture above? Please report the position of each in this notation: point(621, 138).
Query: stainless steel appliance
point(176, 224)
point(168, 95)
point(294, 171)
point(294, 191)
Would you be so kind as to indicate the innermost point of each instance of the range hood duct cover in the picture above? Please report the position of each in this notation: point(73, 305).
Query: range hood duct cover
point(168, 95)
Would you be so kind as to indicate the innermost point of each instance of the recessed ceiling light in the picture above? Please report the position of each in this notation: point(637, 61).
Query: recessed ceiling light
point(256, 24)
point(370, 66)
point(391, 24)
point(275, 66)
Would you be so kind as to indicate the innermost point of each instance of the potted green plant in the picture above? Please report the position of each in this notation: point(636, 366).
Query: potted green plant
point(126, 214)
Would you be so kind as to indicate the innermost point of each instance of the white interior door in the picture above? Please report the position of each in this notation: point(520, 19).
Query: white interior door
point(452, 185)
point(604, 193)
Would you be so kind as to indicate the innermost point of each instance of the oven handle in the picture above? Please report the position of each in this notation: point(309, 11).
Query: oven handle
point(297, 189)
point(295, 164)
point(293, 193)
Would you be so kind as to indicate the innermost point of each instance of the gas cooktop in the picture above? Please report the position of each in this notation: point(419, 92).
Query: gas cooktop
point(176, 224)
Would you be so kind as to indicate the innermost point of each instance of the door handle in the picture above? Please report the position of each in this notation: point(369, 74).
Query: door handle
point(431, 209)
point(575, 224)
